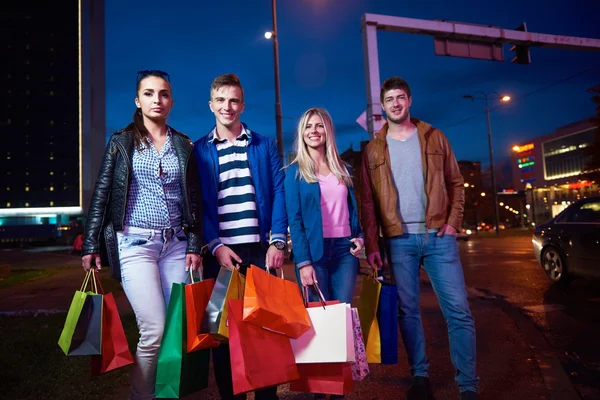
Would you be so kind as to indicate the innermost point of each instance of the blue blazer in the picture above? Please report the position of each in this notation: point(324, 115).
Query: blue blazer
point(267, 177)
point(303, 204)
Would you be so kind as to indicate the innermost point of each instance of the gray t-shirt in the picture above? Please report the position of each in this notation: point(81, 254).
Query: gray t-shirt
point(407, 172)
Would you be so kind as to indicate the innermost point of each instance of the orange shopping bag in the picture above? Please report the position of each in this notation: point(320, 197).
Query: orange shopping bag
point(197, 295)
point(274, 303)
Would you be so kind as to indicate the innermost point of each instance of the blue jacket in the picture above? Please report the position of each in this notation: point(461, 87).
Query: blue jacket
point(267, 176)
point(303, 203)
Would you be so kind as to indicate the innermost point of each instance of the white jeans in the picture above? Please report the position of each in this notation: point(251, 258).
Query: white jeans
point(151, 261)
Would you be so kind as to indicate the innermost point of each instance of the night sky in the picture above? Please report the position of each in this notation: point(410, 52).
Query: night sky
point(321, 65)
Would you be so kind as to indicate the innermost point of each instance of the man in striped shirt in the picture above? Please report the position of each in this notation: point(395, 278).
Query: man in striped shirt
point(244, 212)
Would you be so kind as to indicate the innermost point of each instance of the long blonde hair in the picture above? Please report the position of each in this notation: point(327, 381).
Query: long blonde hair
point(306, 165)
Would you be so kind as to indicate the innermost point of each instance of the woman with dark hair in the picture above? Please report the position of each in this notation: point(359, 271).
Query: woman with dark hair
point(143, 213)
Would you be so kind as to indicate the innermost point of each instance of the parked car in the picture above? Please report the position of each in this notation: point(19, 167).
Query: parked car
point(568, 246)
point(463, 234)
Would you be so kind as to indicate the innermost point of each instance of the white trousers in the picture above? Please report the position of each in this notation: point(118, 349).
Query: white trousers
point(151, 261)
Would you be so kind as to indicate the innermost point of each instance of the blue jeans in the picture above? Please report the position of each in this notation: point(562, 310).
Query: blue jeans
point(441, 261)
point(336, 271)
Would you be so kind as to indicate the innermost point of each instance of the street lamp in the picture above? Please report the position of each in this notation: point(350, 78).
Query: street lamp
point(278, 125)
point(485, 96)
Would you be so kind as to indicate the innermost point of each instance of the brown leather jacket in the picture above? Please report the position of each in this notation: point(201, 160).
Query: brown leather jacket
point(444, 186)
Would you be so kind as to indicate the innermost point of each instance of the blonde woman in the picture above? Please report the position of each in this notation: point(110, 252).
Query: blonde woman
point(322, 213)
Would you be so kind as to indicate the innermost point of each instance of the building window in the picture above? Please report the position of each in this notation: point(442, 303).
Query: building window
point(51, 203)
point(52, 188)
point(52, 93)
point(26, 204)
point(8, 204)
point(51, 172)
point(27, 188)
point(8, 188)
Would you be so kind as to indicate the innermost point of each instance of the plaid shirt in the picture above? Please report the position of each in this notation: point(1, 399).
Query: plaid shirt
point(154, 198)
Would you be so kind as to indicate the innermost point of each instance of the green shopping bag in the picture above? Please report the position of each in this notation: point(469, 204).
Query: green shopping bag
point(82, 332)
point(178, 372)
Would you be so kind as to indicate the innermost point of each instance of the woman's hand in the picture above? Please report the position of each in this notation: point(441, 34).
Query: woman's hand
point(86, 261)
point(358, 242)
point(308, 276)
point(193, 261)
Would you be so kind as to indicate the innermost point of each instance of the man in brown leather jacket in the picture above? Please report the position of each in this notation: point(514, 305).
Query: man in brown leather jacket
point(413, 196)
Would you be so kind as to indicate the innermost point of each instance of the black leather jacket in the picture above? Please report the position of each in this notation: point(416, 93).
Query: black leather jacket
point(109, 200)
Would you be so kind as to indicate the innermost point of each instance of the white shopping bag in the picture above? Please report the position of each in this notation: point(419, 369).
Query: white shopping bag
point(330, 339)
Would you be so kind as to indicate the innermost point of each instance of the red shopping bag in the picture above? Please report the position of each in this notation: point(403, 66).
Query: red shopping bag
point(274, 303)
point(259, 358)
point(197, 295)
point(115, 349)
point(327, 378)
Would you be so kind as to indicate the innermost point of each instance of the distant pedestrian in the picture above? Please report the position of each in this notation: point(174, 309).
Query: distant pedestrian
point(77, 244)
point(412, 193)
point(147, 206)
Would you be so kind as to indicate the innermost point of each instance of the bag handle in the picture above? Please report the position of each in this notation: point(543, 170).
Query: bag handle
point(269, 269)
point(191, 276)
point(90, 278)
point(305, 294)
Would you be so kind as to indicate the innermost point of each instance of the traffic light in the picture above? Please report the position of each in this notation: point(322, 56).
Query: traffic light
point(522, 55)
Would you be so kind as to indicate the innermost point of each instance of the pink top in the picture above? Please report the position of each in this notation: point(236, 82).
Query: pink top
point(334, 207)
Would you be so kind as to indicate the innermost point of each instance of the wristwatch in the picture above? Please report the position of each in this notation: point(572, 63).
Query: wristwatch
point(279, 244)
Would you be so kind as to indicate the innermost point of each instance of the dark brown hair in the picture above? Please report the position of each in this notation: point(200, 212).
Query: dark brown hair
point(137, 127)
point(226, 80)
point(395, 82)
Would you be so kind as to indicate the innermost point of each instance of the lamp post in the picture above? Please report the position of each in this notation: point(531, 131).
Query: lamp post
point(278, 125)
point(489, 133)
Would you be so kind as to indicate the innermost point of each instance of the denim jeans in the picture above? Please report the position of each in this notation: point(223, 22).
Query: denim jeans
point(252, 253)
point(336, 271)
point(441, 261)
point(151, 261)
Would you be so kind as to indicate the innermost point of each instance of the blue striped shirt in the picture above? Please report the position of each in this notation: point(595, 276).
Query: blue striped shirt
point(238, 215)
point(154, 197)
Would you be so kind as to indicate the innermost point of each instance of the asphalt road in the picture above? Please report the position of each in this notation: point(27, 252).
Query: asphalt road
point(567, 316)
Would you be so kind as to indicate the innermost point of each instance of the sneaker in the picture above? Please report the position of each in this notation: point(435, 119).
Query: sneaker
point(420, 389)
point(469, 395)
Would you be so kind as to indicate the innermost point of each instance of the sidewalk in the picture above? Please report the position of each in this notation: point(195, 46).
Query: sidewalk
point(508, 351)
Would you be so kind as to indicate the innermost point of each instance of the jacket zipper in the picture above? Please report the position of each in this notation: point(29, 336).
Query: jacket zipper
point(129, 167)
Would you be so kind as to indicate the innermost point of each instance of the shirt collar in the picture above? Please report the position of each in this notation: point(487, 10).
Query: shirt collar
point(246, 134)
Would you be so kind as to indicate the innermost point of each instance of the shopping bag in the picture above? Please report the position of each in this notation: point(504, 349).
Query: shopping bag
point(115, 349)
point(82, 332)
point(179, 373)
point(373, 345)
point(360, 366)
point(326, 378)
point(197, 295)
point(274, 303)
point(259, 358)
point(228, 286)
point(330, 339)
point(367, 312)
point(368, 303)
point(387, 318)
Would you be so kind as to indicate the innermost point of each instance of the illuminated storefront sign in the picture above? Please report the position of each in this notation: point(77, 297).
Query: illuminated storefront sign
point(521, 149)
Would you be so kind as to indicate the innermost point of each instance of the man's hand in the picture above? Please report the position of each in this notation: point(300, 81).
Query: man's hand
point(374, 260)
point(225, 257)
point(308, 275)
point(193, 261)
point(86, 261)
point(274, 258)
point(447, 230)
